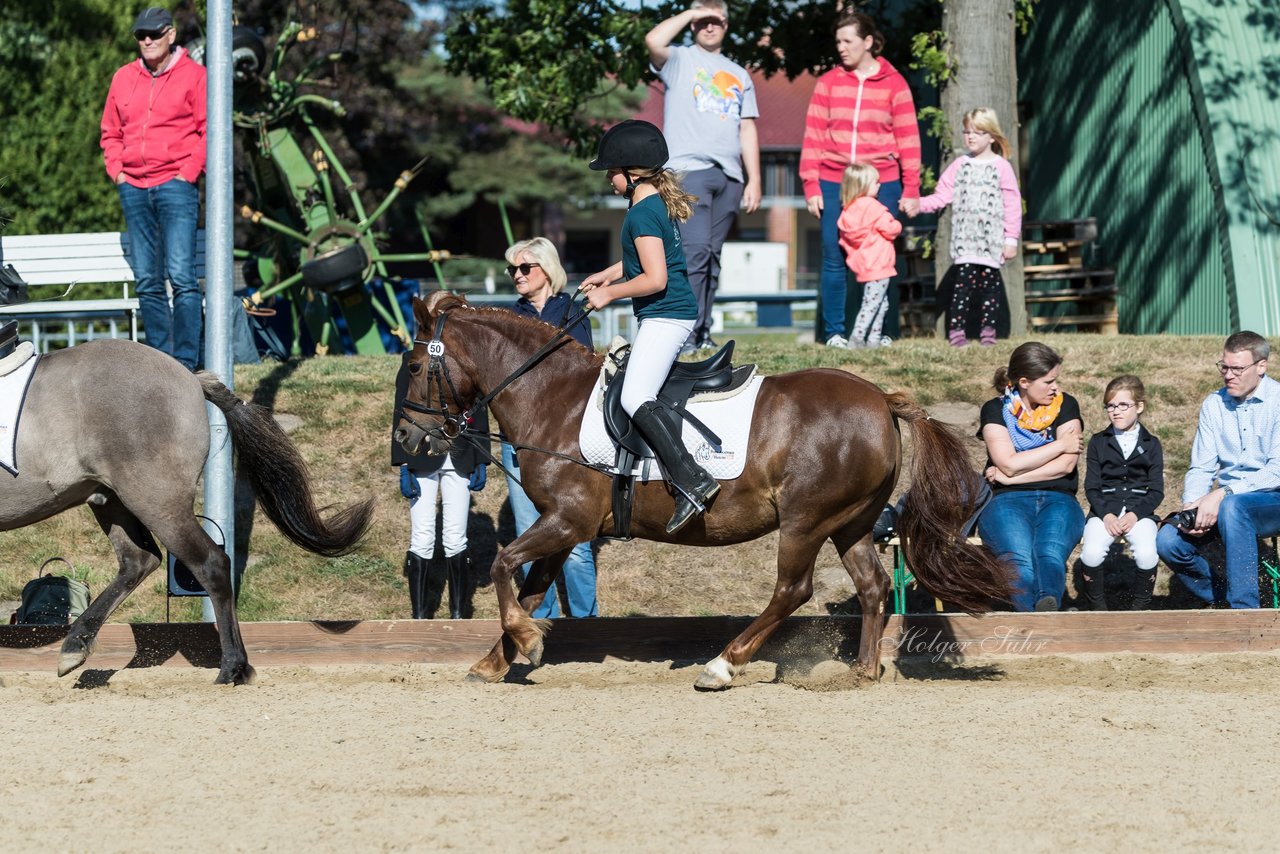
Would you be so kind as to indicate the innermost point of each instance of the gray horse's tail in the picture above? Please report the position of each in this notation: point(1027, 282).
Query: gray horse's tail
point(280, 479)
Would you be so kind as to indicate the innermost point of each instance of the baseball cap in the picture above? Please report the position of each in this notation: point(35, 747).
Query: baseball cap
point(153, 19)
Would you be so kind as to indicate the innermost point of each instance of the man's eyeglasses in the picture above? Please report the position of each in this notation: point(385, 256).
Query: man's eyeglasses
point(1235, 370)
point(522, 269)
point(153, 35)
point(711, 22)
point(1118, 407)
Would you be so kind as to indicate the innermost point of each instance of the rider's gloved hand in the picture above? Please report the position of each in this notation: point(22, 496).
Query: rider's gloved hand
point(409, 484)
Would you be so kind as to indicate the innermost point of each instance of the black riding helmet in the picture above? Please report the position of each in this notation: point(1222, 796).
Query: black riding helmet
point(633, 144)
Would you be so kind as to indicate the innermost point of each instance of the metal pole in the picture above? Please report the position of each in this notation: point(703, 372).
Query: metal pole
point(219, 479)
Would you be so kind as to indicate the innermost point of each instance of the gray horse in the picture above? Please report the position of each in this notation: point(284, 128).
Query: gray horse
point(124, 428)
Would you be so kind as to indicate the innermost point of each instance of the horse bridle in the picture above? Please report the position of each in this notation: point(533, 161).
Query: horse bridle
point(438, 378)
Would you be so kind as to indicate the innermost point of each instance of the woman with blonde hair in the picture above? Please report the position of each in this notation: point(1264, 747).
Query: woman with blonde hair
point(534, 266)
point(986, 224)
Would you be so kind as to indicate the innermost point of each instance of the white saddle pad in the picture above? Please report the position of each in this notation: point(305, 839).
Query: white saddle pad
point(729, 418)
point(13, 393)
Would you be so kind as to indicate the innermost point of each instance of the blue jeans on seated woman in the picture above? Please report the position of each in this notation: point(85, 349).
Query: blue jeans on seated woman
point(579, 571)
point(162, 224)
point(1242, 519)
point(1034, 530)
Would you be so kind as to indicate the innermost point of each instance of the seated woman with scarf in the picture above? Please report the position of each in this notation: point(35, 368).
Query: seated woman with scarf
point(1033, 432)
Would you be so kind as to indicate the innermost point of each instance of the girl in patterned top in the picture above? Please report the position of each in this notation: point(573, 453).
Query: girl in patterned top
point(986, 223)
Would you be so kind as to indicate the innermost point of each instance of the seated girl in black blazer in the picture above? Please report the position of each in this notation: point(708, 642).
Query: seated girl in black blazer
point(1124, 484)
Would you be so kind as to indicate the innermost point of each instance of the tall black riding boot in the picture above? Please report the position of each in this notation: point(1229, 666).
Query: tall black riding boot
point(461, 586)
point(432, 590)
point(694, 487)
point(1144, 584)
point(1093, 587)
point(415, 568)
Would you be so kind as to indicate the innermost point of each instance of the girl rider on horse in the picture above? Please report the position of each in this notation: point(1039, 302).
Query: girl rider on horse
point(652, 272)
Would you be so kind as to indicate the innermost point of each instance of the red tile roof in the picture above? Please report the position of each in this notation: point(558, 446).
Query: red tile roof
point(782, 102)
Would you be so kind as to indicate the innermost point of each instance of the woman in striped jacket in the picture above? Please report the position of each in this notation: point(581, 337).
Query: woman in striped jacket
point(861, 111)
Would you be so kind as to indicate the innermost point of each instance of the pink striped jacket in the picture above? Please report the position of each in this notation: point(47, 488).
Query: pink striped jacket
point(887, 136)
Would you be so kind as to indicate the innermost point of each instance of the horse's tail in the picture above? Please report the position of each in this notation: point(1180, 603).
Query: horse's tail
point(280, 479)
point(943, 496)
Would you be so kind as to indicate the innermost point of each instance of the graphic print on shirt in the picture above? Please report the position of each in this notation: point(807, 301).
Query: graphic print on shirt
point(719, 94)
point(978, 230)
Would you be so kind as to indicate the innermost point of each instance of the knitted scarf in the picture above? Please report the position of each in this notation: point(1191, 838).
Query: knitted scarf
point(1028, 428)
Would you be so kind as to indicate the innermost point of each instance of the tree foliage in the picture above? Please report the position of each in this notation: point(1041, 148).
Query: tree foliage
point(56, 62)
point(401, 104)
point(551, 61)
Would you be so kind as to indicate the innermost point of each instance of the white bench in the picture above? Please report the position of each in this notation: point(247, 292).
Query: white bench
point(89, 258)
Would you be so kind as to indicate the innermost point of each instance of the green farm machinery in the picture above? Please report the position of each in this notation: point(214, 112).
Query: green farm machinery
point(319, 248)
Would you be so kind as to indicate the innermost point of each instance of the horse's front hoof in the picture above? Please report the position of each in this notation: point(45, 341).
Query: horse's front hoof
point(74, 653)
point(535, 654)
point(717, 675)
point(481, 679)
point(241, 675)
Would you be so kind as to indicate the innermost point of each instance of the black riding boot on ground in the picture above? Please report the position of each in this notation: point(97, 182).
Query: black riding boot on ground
point(1144, 584)
point(461, 586)
point(433, 580)
point(1093, 588)
point(426, 585)
point(692, 485)
point(414, 570)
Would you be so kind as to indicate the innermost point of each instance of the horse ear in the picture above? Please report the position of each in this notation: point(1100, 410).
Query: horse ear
point(438, 301)
point(422, 312)
point(433, 299)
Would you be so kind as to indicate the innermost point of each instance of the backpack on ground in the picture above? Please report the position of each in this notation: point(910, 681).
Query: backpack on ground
point(52, 600)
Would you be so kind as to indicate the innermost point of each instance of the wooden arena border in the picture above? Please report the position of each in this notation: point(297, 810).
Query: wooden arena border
point(949, 637)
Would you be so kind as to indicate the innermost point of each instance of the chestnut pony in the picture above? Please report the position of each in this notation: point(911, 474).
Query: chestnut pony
point(824, 454)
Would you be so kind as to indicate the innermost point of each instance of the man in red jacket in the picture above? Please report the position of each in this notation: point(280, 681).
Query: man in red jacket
point(153, 144)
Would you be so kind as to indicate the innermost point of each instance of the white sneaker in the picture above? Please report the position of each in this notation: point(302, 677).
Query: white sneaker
point(838, 341)
point(886, 341)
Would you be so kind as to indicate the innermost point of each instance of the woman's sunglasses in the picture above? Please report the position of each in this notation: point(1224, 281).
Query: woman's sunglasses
point(522, 269)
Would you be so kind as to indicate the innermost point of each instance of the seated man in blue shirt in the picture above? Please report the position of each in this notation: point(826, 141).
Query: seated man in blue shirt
point(1237, 444)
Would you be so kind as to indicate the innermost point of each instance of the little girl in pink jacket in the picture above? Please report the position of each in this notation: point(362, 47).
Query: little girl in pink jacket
point(867, 231)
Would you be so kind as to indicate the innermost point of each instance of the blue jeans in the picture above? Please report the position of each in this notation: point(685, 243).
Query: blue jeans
point(579, 571)
point(1242, 519)
point(1034, 530)
point(835, 272)
point(162, 225)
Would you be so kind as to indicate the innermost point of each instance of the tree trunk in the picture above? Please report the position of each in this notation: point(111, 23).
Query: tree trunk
point(980, 39)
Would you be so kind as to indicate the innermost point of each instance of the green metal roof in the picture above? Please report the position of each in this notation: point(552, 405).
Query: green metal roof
point(1161, 118)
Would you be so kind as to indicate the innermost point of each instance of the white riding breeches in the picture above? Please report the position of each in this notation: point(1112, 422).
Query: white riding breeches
point(456, 498)
point(1097, 542)
point(655, 350)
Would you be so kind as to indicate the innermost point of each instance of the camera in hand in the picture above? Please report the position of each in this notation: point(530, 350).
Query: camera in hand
point(1185, 519)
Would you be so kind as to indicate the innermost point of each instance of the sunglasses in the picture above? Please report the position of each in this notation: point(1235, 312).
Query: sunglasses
point(153, 35)
point(711, 22)
point(522, 269)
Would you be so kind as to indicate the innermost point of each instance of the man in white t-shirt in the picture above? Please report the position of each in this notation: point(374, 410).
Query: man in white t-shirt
point(709, 114)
